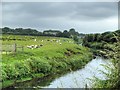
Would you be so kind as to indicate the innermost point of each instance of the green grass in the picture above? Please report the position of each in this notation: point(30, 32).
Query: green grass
point(39, 62)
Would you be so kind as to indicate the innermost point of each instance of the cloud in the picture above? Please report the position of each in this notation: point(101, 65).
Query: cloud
point(60, 15)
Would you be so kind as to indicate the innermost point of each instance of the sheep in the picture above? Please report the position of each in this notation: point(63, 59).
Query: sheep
point(35, 40)
point(36, 46)
point(60, 43)
point(57, 41)
point(30, 47)
point(41, 40)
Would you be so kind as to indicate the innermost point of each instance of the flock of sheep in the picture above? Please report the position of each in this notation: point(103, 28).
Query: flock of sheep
point(38, 46)
point(34, 46)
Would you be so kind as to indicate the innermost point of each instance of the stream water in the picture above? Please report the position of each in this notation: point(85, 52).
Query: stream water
point(75, 79)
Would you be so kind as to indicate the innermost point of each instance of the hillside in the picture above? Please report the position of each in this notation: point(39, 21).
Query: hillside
point(41, 56)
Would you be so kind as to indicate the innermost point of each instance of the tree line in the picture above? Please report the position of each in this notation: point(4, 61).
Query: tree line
point(71, 33)
point(109, 37)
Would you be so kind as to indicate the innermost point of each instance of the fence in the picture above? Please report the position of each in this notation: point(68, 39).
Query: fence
point(11, 48)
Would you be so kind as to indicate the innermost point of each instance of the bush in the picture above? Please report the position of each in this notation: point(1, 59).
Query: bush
point(22, 69)
point(4, 75)
point(39, 66)
point(8, 71)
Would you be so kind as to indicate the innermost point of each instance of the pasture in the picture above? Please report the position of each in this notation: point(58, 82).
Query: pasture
point(48, 46)
point(41, 56)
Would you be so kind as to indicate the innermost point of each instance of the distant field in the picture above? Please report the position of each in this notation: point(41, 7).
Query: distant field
point(28, 40)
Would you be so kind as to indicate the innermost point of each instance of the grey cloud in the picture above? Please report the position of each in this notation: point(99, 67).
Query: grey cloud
point(56, 15)
point(87, 9)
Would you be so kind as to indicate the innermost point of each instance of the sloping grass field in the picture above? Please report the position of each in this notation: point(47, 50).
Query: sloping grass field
point(54, 55)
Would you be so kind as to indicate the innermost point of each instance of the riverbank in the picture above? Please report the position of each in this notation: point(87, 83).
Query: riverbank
point(112, 52)
point(51, 58)
point(106, 45)
point(73, 79)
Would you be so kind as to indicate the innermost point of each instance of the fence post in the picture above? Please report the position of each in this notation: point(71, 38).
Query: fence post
point(86, 87)
point(15, 47)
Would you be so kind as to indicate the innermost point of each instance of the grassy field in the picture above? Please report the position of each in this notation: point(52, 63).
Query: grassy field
point(54, 56)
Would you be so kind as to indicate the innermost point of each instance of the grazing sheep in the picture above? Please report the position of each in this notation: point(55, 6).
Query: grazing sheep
point(41, 40)
point(33, 46)
point(57, 41)
point(36, 46)
point(35, 40)
point(60, 43)
point(30, 47)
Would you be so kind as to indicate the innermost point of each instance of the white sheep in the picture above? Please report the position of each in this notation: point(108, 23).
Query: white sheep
point(60, 43)
point(35, 46)
point(57, 41)
point(30, 47)
point(41, 40)
point(35, 40)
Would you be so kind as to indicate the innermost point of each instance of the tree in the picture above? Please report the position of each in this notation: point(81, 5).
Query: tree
point(72, 31)
point(75, 38)
point(66, 34)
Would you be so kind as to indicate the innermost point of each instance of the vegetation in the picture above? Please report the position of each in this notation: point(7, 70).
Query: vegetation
point(57, 52)
point(102, 44)
point(52, 57)
point(106, 45)
point(33, 32)
point(113, 78)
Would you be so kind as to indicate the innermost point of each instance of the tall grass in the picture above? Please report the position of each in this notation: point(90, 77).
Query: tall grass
point(113, 78)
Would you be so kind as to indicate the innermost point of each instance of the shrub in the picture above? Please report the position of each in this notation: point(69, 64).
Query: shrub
point(4, 75)
point(39, 66)
point(22, 69)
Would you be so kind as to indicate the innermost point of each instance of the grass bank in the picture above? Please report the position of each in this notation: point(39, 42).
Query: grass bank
point(52, 57)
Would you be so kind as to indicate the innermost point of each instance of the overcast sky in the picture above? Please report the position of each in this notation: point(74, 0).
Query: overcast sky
point(85, 17)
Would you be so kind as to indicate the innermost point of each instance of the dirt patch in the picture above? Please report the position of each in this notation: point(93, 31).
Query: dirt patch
point(78, 48)
point(70, 52)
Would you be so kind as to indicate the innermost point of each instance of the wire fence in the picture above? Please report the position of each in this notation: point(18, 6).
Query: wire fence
point(11, 48)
